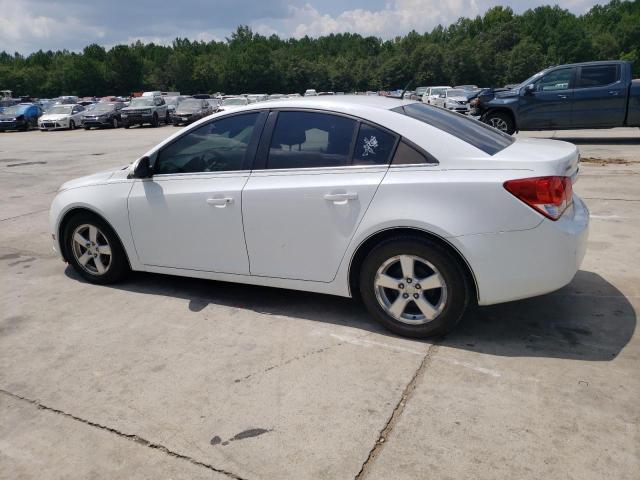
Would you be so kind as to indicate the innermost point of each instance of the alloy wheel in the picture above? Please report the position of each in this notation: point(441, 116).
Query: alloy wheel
point(499, 123)
point(91, 249)
point(410, 289)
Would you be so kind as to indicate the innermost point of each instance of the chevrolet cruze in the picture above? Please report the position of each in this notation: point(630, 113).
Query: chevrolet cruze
point(418, 210)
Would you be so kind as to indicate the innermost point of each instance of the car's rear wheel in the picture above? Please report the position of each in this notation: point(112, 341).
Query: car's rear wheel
point(93, 249)
point(414, 287)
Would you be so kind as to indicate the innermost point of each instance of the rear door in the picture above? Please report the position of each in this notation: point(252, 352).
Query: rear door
point(549, 105)
point(600, 97)
point(315, 177)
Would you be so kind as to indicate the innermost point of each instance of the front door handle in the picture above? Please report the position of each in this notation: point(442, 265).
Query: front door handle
point(561, 96)
point(340, 197)
point(614, 92)
point(219, 202)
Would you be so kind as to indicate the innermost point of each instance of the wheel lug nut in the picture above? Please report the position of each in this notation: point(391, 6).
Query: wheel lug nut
point(415, 295)
point(401, 286)
point(409, 280)
point(417, 286)
point(405, 295)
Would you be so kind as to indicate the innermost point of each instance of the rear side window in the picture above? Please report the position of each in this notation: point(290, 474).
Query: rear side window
point(310, 140)
point(407, 155)
point(373, 146)
point(481, 136)
point(598, 76)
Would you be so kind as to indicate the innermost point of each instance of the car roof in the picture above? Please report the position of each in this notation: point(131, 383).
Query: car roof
point(337, 102)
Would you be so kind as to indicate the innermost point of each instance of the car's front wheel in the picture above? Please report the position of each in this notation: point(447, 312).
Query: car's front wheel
point(502, 121)
point(414, 287)
point(93, 249)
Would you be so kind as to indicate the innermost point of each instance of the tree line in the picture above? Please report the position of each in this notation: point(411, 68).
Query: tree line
point(494, 49)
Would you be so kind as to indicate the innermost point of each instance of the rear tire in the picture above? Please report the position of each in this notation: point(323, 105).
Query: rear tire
point(93, 249)
point(429, 301)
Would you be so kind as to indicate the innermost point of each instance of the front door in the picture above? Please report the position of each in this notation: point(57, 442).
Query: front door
point(549, 104)
point(303, 206)
point(189, 214)
point(600, 97)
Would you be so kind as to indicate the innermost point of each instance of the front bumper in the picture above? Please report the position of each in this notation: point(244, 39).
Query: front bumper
point(16, 125)
point(514, 265)
point(137, 117)
point(57, 125)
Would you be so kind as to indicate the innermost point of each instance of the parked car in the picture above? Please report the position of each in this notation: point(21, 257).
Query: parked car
point(580, 95)
point(153, 93)
point(190, 110)
point(146, 109)
point(276, 96)
point(432, 93)
point(257, 97)
point(310, 92)
point(103, 115)
point(233, 102)
point(172, 102)
point(233, 198)
point(61, 116)
point(214, 103)
point(201, 96)
point(66, 100)
point(455, 99)
point(22, 116)
point(467, 87)
point(420, 91)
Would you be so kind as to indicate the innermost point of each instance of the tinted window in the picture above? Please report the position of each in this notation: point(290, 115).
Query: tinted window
point(309, 139)
point(407, 155)
point(598, 75)
point(214, 147)
point(555, 80)
point(476, 133)
point(373, 146)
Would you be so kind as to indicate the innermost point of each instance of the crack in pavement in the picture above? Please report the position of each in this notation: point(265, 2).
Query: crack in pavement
point(612, 199)
point(24, 215)
point(287, 362)
point(397, 412)
point(128, 436)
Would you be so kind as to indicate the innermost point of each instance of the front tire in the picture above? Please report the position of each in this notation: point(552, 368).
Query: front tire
point(414, 287)
point(155, 122)
point(94, 250)
point(501, 121)
point(72, 125)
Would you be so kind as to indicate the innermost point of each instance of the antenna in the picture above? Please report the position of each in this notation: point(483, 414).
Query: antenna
point(405, 89)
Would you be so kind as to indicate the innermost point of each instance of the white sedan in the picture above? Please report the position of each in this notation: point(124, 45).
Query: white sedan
point(59, 117)
point(420, 211)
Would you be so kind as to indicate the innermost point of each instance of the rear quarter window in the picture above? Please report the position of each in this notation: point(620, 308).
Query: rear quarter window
point(473, 132)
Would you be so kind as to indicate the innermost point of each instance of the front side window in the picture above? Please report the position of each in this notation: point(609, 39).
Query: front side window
point(218, 146)
point(373, 146)
point(310, 140)
point(598, 76)
point(555, 80)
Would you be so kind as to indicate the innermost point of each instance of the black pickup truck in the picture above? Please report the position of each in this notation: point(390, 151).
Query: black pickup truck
point(579, 95)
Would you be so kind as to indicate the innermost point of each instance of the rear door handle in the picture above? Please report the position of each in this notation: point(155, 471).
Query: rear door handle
point(561, 96)
point(219, 202)
point(614, 92)
point(340, 197)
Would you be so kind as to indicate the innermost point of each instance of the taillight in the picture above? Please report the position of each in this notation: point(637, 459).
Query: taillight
point(550, 196)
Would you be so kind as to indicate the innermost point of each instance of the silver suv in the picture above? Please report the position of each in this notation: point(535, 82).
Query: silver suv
point(149, 109)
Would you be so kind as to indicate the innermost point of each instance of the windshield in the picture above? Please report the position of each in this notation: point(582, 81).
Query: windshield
point(457, 92)
point(235, 101)
point(103, 107)
point(531, 79)
point(191, 104)
point(474, 132)
point(15, 110)
point(171, 100)
point(142, 102)
point(60, 109)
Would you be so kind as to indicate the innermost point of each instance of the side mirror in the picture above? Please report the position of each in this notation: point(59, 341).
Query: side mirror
point(529, 89)
point(442, 95)
point(143, 169)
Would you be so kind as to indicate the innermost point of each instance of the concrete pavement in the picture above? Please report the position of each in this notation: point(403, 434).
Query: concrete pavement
point(178, 378)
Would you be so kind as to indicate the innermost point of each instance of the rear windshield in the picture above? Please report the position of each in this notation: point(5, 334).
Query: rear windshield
point(474, 132)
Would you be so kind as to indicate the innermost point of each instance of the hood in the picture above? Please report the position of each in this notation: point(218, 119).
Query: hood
point(92, 113)
point(54, 116)
point(133, 108)
point(187, 111)
point(10, 117)
point(95, 178)
point(458, 99)
point(507, 93)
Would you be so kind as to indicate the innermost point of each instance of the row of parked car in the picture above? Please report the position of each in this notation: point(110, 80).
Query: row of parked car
point(153, 108)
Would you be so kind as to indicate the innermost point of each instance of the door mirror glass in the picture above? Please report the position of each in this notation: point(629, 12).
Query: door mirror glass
point(143, 168)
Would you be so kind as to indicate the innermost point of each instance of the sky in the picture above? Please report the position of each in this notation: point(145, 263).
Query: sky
point(30, 25)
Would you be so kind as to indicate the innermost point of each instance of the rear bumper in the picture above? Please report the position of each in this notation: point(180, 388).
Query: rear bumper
point(514, 265)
